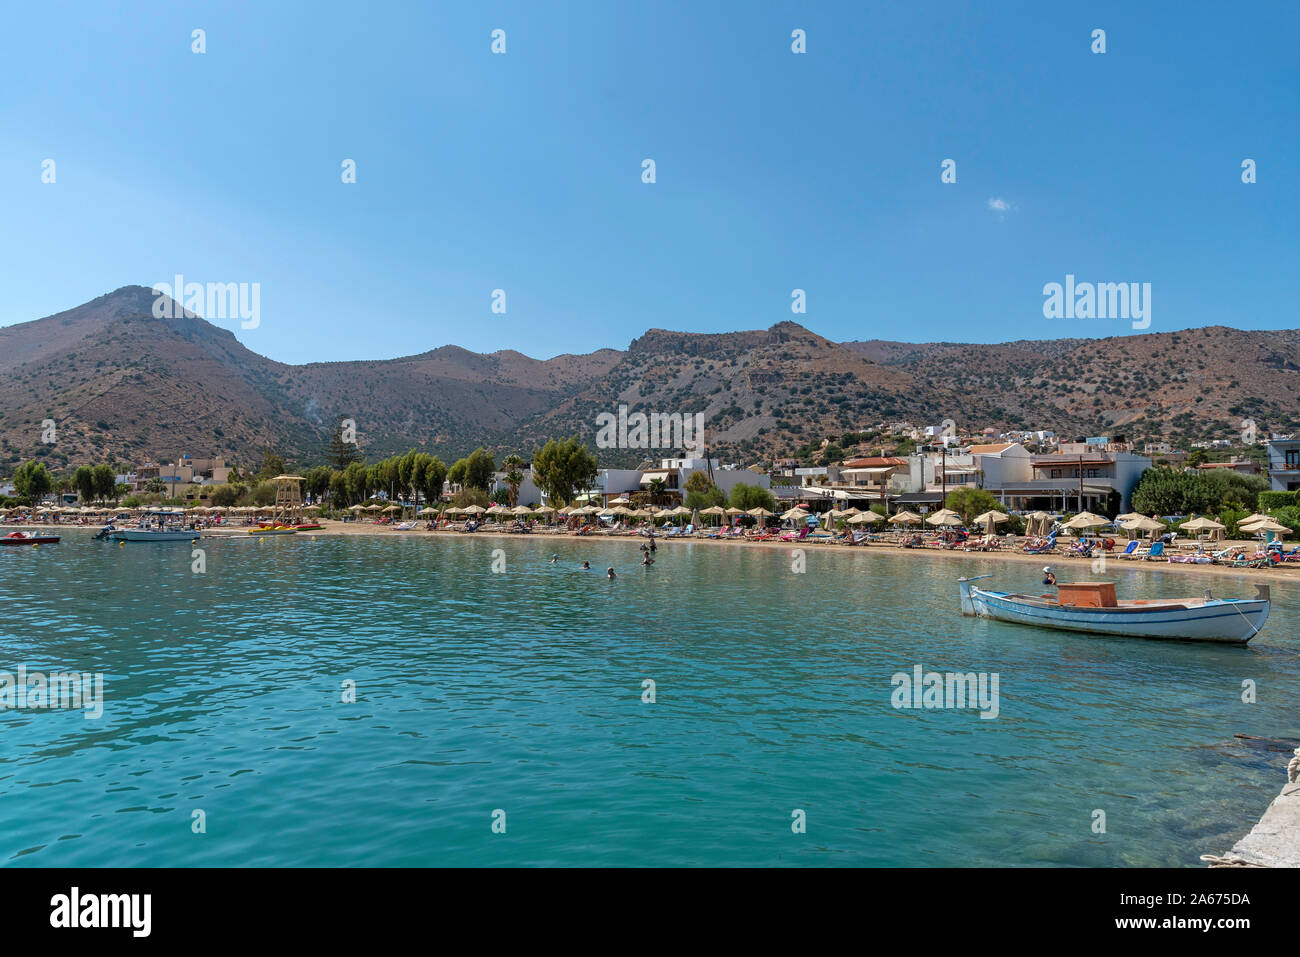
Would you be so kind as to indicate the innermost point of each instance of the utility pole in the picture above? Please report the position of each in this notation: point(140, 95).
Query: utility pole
point(943, 467)
point(1081, 483)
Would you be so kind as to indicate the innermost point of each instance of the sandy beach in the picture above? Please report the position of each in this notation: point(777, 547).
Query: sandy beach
point(1072, 566)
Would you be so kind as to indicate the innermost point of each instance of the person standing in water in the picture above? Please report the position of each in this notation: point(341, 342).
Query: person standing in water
point(610, 573)
point(586, 566)
point(1048, 577)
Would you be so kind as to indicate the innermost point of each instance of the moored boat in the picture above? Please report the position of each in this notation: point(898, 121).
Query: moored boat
point(28, 538)
point(154, 534)
point(158, 525)
point(1093, 608)
point(274, 530)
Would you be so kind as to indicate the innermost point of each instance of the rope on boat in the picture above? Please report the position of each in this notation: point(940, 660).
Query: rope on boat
point(1254, 628)
point(1228, 860)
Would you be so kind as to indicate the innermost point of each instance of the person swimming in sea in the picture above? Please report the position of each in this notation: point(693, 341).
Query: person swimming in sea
point(1049, 578)
point(586, 566)
point(610, 573)
point(554, 559)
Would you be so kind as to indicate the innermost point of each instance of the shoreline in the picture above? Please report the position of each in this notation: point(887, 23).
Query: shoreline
point(1059, 562)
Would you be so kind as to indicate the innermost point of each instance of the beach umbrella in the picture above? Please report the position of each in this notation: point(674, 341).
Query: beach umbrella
point(865, 518)
point(427, 510)
point(1267, 525)
point(393, 508)
point(1129, 517)
point(544, 510)
point(620, 510)
point(944, 516)
point(1203, 525)
point(761, 514)
point(795, 514)
point(1143, 524)
point(474, 510)
point(989, 519)
point(905, 518)
point(1037, 523)
point(521, 510)
point(621, 500)
point(1086, 520)
point(715, 510)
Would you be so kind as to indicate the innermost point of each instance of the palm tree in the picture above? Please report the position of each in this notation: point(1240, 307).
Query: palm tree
point(513, 465)
point(658, 490)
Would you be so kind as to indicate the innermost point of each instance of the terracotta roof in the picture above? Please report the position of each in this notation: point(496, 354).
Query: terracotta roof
point(990, 449)
point(874, 460)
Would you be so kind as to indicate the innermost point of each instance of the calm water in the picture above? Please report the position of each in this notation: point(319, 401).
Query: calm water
point(522, 691)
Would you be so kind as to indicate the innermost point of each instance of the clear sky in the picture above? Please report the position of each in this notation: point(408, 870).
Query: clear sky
point(774, 170)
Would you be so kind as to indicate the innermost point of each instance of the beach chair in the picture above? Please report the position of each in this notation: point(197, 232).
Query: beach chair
point(1130, 551)
point(1156, 551)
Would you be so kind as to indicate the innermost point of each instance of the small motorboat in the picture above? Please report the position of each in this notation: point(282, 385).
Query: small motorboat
point(154, 534)
point(28, 538)
point(1092, 607)
point(274, 530)
point(158, 525)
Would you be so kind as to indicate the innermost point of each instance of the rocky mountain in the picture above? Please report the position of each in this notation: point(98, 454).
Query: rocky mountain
point(120, 384)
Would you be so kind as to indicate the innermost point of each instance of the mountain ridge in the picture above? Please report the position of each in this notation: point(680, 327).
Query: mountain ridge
point(122, 384)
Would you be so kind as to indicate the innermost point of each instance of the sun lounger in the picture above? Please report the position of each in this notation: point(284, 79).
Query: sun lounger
point(1156, 551)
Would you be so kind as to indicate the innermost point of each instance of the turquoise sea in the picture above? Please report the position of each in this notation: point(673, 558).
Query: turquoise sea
point(520, 690)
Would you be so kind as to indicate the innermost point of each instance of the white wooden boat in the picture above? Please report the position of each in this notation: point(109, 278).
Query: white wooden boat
point(1092, 607)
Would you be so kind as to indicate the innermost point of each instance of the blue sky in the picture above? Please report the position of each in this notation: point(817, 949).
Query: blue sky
point(775, 171)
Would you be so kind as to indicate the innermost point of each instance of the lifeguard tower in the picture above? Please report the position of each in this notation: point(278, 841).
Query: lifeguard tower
point(288, 499)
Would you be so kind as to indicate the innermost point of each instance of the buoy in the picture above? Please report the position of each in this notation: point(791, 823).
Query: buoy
point(121, 544)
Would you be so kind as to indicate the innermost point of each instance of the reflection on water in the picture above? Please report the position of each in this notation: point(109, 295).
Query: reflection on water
point(522, 691)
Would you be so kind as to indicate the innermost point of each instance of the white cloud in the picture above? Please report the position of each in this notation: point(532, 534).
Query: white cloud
point(999, 205)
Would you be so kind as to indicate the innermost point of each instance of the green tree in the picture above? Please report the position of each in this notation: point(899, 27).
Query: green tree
point(341, 454)
point(33, 482)
point(318, 481)
point(658, 491)
point(514, 464)
point(356, 483)
point(224, 496)
point(272, 465)
point(83, 477)
point(969, 502)
point(561, 467)
point(432, 479)
point(707, 499)
point(751, 496)
point(105, 482)
point(479, 468)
